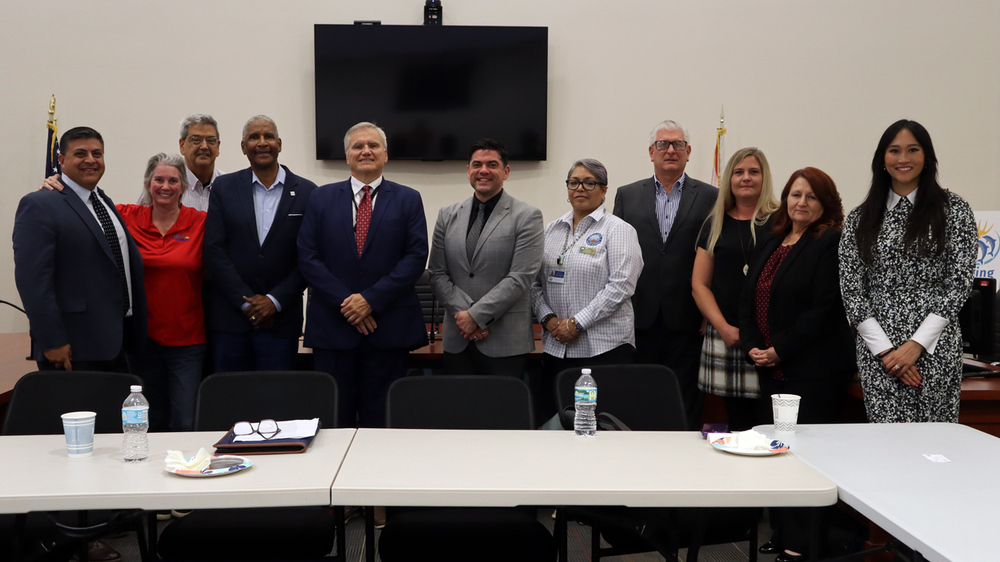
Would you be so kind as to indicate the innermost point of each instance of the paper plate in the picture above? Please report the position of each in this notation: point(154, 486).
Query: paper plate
point(220, 465)
point(723, 444)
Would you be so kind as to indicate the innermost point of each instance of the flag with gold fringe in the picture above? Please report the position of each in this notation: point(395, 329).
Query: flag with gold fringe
point(720, 132)
point(52, 142)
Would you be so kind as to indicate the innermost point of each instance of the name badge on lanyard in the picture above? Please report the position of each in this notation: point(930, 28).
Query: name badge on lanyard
point(556, 276)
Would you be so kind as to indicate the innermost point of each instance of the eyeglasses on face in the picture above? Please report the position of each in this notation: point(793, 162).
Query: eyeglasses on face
point(588, 185)
point(663, 145)
point(197, 140)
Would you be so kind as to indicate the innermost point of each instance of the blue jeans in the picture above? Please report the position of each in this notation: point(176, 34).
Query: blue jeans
point(171, 376)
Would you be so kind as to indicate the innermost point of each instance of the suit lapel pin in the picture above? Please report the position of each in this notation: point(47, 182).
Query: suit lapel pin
point(291, 194)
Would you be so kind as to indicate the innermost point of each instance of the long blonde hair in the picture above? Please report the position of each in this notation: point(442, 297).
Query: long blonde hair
point(766, 203)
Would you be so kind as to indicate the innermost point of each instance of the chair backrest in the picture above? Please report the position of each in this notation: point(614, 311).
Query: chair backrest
point(226, 398)
point(643, 397)
point(39, 398)
point(459, 402)
point(433, 310)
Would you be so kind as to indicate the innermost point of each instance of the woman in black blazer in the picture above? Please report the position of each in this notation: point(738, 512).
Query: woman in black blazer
point(792, 320)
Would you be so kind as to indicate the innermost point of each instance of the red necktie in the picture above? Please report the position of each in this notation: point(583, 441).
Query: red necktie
point(364, 219)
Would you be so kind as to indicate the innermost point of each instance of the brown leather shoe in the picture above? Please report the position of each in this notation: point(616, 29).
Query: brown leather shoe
point(379, 517)
point(99, 551)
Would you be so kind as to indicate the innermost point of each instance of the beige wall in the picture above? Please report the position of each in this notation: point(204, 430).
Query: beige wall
point(812, 83)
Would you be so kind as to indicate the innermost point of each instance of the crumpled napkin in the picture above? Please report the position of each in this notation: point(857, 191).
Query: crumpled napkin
point(751, 440)
point(177, 461)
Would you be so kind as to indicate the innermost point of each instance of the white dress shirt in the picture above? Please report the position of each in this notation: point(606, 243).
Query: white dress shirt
point(84, 194)
point(358, 187)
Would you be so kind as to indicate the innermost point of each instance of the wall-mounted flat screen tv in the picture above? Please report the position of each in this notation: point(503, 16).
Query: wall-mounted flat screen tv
point(434, 89)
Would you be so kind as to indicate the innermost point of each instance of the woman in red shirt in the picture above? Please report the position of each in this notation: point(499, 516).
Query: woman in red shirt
point(170, 236)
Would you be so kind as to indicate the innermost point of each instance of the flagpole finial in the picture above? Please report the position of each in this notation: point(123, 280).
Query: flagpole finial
point(52, 108)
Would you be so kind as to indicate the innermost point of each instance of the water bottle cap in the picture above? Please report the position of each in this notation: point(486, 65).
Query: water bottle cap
point(136, 388)
point(585, 372)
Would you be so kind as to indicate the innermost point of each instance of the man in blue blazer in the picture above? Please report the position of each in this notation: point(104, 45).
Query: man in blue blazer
point(254, 307)
point(667, 211)
point(362, 247)
point(81, 285)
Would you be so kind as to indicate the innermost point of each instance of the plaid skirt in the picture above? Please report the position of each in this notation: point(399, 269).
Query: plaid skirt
point(724, 370)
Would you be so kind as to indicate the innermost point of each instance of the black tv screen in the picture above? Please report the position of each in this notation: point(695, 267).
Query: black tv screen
point(433, 89)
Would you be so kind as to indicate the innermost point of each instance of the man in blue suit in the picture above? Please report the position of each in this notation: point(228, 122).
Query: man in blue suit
point(362, 247)
point(254, 307)
point(77, 269)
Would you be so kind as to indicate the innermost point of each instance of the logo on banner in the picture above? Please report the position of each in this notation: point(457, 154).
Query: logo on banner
point(989, 248)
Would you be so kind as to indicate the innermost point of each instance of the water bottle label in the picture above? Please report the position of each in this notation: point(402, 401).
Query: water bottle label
point(137, 415)
point(585, 394)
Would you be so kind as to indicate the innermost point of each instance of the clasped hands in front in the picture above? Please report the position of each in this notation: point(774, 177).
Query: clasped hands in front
point(358, 313)
point(469, 328)
point(562, 329)
point(260, 311)
point(764, 357)
point(901, 363)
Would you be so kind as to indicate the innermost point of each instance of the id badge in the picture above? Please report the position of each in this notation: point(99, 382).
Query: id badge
point(556, 276)
point(588, 251)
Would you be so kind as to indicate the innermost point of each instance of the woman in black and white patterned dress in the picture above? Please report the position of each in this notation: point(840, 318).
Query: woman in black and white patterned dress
point(907, 259)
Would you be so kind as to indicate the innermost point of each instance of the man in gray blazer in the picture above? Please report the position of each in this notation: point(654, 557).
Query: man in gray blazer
point(485, 254)
point(667, 211)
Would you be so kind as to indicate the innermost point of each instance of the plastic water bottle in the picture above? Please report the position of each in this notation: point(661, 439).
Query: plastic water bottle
point(135, 424)
point(585, 400)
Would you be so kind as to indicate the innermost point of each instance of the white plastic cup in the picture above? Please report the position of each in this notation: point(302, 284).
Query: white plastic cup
point(786, 412)
point(79, 430)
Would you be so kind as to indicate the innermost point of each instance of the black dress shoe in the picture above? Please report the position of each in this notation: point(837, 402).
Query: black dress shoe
point(786, 557)
point(99, 551)
point(769, 548)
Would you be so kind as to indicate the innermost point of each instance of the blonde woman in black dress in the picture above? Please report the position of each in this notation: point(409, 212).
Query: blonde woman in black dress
point(738, 222)
point(908, 258)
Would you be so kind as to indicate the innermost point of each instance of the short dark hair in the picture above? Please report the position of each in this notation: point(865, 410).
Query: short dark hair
point(77, 133)
point(489, 144)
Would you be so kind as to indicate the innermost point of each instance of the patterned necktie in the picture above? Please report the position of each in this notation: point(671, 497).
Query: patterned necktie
point(112, 237)
point(477, 228)
point(364, 219)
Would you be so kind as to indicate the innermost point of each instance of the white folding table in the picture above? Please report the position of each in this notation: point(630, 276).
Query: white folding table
point(943, 510)
point(41, 477)
point(413, 467)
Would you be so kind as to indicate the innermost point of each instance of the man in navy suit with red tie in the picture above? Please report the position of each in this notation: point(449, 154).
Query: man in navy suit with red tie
point(362, 247)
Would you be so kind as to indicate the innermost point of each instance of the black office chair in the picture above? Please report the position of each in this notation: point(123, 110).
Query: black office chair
point(648, 398)
point(283, 533)
point(643, 397)
point(36, 404)
point(459, 534)
point(429, 305)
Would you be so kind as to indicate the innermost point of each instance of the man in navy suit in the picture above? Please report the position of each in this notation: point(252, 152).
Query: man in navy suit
point(362, 247)
point(667, 211)
point(254, 307)
point(77, 269)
